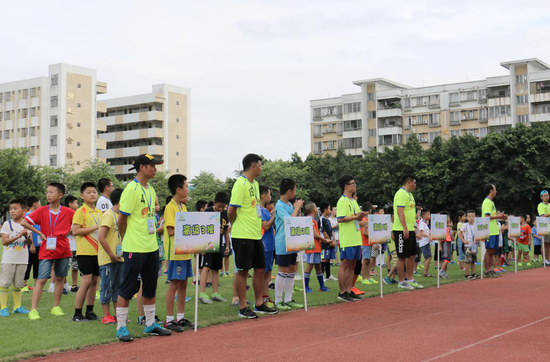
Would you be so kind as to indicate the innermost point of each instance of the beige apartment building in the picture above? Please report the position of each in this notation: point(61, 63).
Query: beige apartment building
point(386, 113)
point(62, 123)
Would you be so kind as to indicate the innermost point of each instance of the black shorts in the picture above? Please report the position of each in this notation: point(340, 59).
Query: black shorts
point(358, 266)
point(405, 248)
point(88, 264)
point(213, 261)
point(538, 250)
point(286, 260)
point(249, 254)
point(144, 264)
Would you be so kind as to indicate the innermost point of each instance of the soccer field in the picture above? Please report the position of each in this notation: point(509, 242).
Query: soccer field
point(22, 338)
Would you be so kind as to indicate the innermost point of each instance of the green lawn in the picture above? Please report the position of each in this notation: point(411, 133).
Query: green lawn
point(53, 334)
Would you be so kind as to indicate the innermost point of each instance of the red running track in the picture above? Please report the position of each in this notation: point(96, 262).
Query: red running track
point(505, 319)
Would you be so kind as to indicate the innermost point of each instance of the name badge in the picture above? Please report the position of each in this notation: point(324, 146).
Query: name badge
point(258, 210)
point(119, 250)
point(51, 243)
point(357, 225)
point(151, 226)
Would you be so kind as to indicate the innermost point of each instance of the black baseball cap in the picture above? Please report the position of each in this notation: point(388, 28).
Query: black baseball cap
point(145, 159)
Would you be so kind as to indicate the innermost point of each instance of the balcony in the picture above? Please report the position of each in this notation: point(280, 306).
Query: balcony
point(134, 118)
point(101, 125)
point(434, 106)
point(540, 97)
point(500, 121)
point(390, 131)
point(136, 134)
point(101, 87)
point(390, 112)
point(455, 122)
point(317, 134)
point(454, 103)
point(501, 101)
point(434, 124)
point(483, 119)
point(101, 107)
point(317, 118)
point(131, 151)
point(317, 151)
point(542, 117)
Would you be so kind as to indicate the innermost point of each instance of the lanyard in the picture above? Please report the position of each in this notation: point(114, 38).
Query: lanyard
point(93, 217)
point(252, 186)
point(55, 222)
point(145, 195)
point(177, 205)
point(116, 222)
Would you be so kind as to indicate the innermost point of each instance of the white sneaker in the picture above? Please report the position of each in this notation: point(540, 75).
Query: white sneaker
point(67, 287)
point(51, 288)
point(332, 278)
point(405, 285)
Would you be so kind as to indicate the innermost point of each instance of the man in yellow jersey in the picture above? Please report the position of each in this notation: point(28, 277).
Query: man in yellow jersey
point(489, 210)
point(245, 217)
point(544, 210)
point(404, 212)
point(136, 224)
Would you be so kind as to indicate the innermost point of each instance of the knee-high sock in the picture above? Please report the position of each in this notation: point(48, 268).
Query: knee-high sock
point(306, 279)
point(320, 279)
point(279, 286)
point(16, 297)
point(327, 269)
point(3, 297)
point(289, 286)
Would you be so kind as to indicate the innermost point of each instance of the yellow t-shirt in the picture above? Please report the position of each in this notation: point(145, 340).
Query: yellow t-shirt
point(404, 199)
point(246, 197)
point(488, 209)
point(543, 209)
point(170, 220)
point(138, 203)
point(350, 234)
point(86, 217)
point(109, 219)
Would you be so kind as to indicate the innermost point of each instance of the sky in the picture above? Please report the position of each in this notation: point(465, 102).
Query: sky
point(253, 66)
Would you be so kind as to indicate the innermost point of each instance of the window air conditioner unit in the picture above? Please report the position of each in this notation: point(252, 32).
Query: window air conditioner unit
point(424, 139)
point(325, 147)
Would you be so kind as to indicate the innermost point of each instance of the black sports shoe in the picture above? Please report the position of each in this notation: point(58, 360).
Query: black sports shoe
point(354, 296)
point(271, 286)
point(264, 309)
point(173, 326)
point(186, 323)
point(247, 313)
point(345, 297)
point(79, 318)
point(157, 330)
point(91, 316)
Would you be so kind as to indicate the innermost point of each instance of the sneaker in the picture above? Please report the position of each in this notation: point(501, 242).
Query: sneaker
point(264, 309)
point(324, 289)
point(74, 289)
point(173, 326)
point(405, 285)
point(547, 262)
point(366, 282)
point(79, 318)
point(247, 313)
point(271, 286)
point(528, 264)
point(4, 312)
point(359, 279)
point(374, 273)
point(123, 334)
point(187, 299)
point(218, 297)
point(33, 315)
point(67, 287)
point(393, 281)
point(57, 311)
point(156, 330)
point(292, 304)
point(208, 285)
point(357, 291)
point(25, 289)
point(51, 288)
point(308, 290)
point(387, 280)
point(416, 273)
point(97, 294)
point(420, 266)
point(185, 323)
point(345, 297)
point(108, 319)
point(20, 310)
point(204, 299)
point(373, 281)
point(141, 320)
point(282, 306)
point(416, 285)
point(91, 316)
point(520, 264)
point(296, 289)
point(332, 278)
point(354, 296)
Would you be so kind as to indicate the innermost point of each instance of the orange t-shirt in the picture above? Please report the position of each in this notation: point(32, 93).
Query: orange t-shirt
point(317, 243)
point(525, 232)
point(365, 238)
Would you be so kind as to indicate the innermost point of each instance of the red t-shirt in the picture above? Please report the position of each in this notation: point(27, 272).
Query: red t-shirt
point(364, 237)
point(61, 229)
point(525, 232)
point(317, 243)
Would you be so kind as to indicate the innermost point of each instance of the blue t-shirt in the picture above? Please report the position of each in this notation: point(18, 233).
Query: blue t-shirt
point(35, 238)
point(282, 210)
point(536, 238)
point(268, 236)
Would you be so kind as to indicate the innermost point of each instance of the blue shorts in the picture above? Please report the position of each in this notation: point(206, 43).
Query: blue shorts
point(179, 270)
point(287, 259)
point(268, 261)
point(329, 254)
point(426, 251)
point(313, 258)
point(366, 250)
point(492, 242)
point(111, 280)
point(350, 253)
point(61, 268)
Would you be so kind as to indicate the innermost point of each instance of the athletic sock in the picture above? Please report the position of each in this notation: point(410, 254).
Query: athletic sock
point(181, 316)
point(16, 297)
point(306, 279)
point(89, 309)
point(323, 266)
point(169, 318)
point(78, 311)
point(327, 269)
point(121, 317)
point(289, 286)
point(149, 310)
point(279, 286)
point(320, 279)
point(3, 297)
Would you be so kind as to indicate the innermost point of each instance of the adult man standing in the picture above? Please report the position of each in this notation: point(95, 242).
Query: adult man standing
point(489, 210)
point(544, 210)
point(245, 217)
point(136, 225)
point(349, 217)
point(404, 213)
point(105, 187)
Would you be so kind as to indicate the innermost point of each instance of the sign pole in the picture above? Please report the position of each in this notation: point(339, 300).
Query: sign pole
point(381, 274)
point(197, 292)
point(515, 256)
point(303, 280)
point(543, 251)
point(482, 257)
point(438, 260)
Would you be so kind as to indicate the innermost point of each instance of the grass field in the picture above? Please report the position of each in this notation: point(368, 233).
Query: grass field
point(22, 338)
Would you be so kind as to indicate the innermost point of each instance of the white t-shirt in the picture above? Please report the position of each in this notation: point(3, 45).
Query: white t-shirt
point(334, 223)
point(103, 204)
point(469, 236)
point(422, 226)
point(16, 252)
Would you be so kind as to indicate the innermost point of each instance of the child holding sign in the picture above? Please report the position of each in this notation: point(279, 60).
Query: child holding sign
point(313, 257)
point(468, 237)
point(524, 241)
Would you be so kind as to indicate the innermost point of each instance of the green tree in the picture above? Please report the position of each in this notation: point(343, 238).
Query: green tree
point(93, 171)
point(160, 184)
point(205, 187)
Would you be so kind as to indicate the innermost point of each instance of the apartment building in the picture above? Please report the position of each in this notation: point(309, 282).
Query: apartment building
point(386, 113)
point(156, 123)
point(54, 116)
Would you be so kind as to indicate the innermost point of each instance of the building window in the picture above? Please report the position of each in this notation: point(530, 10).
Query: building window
point(372, 132)
point(53, 160)
point(33, 92)
point(453, 99)
point(177, 170)
point(353, 107)
point(24, 132)
point(53, 140)
point(354, 125)
point(352, 142)
point(455, 117)
point(371, 114)
point(523, 119)
point(25, 93)
point(499, 111)
point(433, 136)
point(53, 102)
point(79, 85)
point(522, 99)
point(8, 115)
point(521, 79)
point(7, 134)
point(434, 120)
point(55, 79)
point(8, 96)
point(33, 131)
point(78, 144)
point(78, 124)
point(483, 132)
point(25, 113)
point(78, 105)
point(455, 133)
point(371, 96)
point(407, 103)
point(53, 121)
point(177, 103)
point(177, 136)
point(177, 119)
